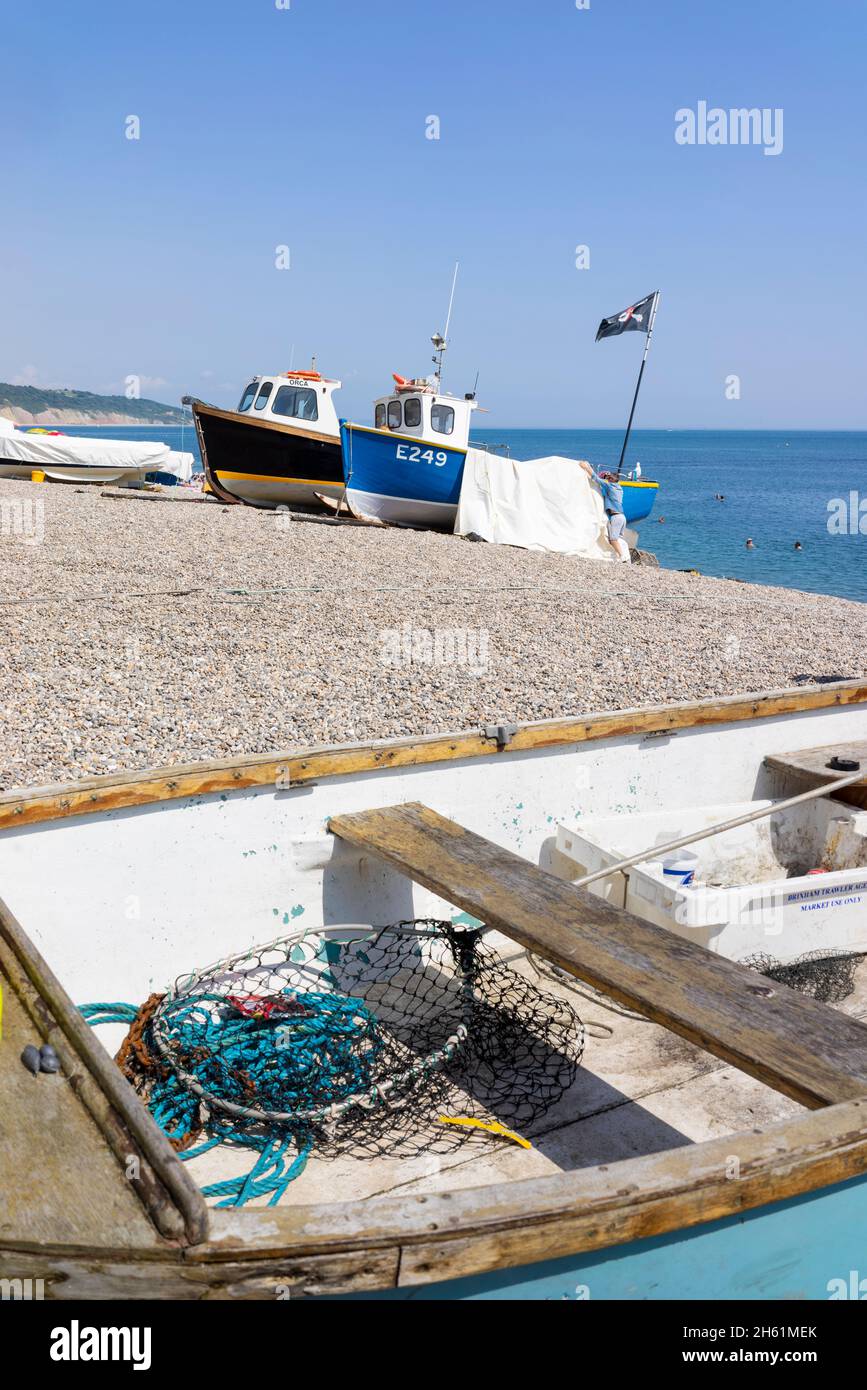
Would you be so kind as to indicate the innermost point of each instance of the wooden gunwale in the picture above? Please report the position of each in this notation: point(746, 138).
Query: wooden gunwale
point(33, 806)
point(575, 1212)
point(476, 1231)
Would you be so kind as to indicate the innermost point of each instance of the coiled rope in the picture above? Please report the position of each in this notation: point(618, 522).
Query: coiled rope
point(240, 1062)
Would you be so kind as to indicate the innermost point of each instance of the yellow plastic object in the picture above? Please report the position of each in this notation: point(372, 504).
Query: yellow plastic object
point(494, 1127)
point(37, 476)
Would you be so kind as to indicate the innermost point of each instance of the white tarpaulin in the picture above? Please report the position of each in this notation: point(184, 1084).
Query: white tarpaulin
point(180, 465)
point(69, 451)
point(540, 504)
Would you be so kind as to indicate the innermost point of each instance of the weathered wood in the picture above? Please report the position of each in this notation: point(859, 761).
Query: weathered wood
point(804, 1049)
point(71, 1275)
point(164, 1187)
point(60, 1180)
point(294, 769)
point(355, 1247)
point(809, 768)
point(566, 1213)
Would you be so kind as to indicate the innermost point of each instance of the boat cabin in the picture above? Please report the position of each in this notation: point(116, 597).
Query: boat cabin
point(305, 398)
point(417, 410)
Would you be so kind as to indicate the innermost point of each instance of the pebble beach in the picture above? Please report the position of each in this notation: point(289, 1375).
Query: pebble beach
point(139, 631)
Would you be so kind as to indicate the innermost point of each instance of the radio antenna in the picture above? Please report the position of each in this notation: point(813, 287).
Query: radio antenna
point(441, 340)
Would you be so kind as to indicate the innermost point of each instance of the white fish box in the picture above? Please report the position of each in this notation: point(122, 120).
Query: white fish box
point(755, 887)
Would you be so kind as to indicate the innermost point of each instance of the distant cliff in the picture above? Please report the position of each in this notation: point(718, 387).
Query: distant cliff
point(35, 405)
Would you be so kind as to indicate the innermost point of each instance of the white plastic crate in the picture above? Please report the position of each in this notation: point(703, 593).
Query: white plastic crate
point(753, 890)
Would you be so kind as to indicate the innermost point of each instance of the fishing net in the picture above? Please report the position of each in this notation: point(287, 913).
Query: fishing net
point(827, 976)
point(347, 1041)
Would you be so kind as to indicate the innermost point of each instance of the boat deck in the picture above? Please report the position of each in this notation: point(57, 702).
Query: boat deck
point(639, 1090)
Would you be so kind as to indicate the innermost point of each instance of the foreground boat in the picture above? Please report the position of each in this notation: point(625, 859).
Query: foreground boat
point(281, 447)
point(75, 459)
point(122, 885)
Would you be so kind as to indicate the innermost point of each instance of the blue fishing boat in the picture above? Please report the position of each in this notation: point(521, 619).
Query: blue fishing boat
point(408, 468)
point(638, 498)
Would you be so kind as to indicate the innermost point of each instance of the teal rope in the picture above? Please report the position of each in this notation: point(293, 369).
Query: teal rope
point(317, 1051)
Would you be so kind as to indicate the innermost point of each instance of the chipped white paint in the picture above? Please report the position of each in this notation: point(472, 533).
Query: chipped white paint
point(218, 872)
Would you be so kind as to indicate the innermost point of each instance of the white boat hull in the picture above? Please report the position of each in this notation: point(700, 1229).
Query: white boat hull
point(73, 472)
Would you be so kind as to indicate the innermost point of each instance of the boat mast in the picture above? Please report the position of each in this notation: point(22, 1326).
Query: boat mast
point(638, 383)
point(441, 340)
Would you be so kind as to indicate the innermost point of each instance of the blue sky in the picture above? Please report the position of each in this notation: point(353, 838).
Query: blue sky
point(305, 127)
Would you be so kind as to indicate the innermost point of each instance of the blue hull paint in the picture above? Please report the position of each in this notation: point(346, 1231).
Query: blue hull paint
point(808, 1248)
point(400, 478)
point(638, 500)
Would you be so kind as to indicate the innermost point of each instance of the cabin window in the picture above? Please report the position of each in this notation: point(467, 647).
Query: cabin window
point(394, 415)
point(379, 418)
point(442, 419)
point(248, 396)
point(262, 398)
point(412, 413)
point(297, 401)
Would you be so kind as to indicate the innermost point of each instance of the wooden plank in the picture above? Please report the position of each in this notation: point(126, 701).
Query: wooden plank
point(90, 795)
point(804, 1049)
point(72, 1276)
point(809, 768)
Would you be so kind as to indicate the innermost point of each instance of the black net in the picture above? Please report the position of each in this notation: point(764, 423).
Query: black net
point(826, 976)
point(355, 1042)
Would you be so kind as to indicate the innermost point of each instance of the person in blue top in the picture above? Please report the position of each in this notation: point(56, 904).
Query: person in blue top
point(612, 500)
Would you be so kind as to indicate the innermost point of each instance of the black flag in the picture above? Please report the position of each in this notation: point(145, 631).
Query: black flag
point(636, 318)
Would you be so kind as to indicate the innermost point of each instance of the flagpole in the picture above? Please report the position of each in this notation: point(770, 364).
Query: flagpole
point(638, 383)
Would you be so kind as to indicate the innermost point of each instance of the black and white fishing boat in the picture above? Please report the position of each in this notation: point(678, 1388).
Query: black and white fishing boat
point(281, 447)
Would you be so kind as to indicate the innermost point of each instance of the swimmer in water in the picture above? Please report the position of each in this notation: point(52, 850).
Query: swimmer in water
point(798, 545)
point(750, 545)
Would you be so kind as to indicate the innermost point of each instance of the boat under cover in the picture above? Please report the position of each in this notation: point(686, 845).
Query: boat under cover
point(73, 458)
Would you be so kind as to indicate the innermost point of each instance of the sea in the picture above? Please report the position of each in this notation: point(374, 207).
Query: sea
point(778, 487)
